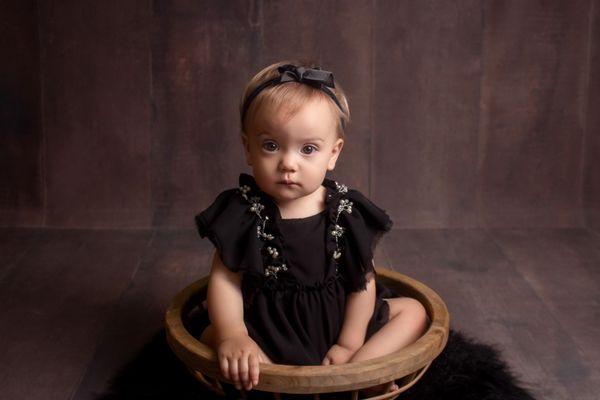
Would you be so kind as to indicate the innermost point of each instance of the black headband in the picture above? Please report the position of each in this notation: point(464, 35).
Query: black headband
point(316, 78)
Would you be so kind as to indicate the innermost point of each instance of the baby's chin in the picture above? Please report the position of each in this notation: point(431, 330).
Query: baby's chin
point(285, 194)
point(282, 193)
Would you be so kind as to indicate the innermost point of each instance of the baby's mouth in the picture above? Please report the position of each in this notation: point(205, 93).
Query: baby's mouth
point(287, 182)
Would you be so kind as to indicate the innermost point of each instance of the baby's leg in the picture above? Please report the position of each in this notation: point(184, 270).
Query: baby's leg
point(408, 321)
point(208, 339)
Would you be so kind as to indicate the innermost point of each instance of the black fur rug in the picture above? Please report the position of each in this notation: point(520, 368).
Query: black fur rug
point(465, 370)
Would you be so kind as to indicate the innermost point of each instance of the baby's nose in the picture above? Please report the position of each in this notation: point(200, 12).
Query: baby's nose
point(288, 162)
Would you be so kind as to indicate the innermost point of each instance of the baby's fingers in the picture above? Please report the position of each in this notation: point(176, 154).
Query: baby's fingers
point(243, 371)
point(233, 372)
point(224, 364)
point(253, 368)
point(326, 361)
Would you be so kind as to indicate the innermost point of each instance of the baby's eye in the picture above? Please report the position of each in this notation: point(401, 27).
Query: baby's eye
point(270, 146)
point(308, 149)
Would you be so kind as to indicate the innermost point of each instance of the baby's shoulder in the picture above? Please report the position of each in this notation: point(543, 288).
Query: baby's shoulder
point(350, 203)
point(233, 201)
point(229, 222)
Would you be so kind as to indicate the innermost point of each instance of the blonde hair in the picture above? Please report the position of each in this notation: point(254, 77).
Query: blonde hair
point(289, 97)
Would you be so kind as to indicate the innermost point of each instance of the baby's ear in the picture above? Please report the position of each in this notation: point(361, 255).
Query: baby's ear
point(335, 153)
point(246, 144)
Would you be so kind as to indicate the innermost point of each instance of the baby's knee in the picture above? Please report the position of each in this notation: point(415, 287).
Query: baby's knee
point(410, 308)
point(418, 313)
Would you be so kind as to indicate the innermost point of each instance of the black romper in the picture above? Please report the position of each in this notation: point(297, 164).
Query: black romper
point(297, 272)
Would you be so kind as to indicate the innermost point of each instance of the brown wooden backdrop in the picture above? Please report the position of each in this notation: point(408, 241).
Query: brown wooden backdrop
point(467, 113)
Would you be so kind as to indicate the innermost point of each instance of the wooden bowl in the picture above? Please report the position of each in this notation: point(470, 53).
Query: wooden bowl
point(406, 366)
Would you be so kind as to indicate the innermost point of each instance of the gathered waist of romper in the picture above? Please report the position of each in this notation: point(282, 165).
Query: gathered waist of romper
point(287, 282)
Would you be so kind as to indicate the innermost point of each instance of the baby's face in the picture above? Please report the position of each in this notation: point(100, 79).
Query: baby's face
point(289, 158)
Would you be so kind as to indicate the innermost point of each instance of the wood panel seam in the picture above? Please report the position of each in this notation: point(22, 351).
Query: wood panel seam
point(584, 116)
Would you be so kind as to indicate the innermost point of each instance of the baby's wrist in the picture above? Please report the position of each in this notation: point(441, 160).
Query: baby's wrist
point(349, 347)
point(231, 333)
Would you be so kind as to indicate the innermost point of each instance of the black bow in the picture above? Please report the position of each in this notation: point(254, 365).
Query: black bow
point(312, 76)
point(315, 77)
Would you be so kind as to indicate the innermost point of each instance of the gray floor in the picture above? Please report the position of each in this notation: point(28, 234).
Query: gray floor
point(79, 303)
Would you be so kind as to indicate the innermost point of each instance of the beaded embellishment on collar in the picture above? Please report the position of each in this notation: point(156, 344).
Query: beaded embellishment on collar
point(276, 261)
point(277, 264)
point(344, 205)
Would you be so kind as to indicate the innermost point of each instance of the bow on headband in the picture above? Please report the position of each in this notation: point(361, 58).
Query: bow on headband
point(315, 77)
point(312, 76)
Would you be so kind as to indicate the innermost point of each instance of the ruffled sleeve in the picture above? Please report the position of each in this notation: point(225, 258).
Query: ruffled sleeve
point(232, 230)
point(363, 226)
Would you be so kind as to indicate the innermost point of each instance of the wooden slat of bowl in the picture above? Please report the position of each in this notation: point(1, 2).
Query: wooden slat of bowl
point(319, 379)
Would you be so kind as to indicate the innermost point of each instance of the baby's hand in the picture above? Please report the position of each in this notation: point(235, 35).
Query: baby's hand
point(338, 355)
point(238, 358)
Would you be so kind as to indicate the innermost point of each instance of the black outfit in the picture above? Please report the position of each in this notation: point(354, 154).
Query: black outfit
point(295, 312)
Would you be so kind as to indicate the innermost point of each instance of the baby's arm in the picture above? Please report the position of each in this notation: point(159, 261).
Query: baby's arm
point(359, 309)
point(238, 354)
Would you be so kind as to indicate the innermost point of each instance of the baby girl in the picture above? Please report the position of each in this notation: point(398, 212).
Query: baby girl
point(293, 278)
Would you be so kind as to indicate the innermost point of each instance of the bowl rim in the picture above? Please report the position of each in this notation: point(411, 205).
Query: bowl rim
point(318, 378)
